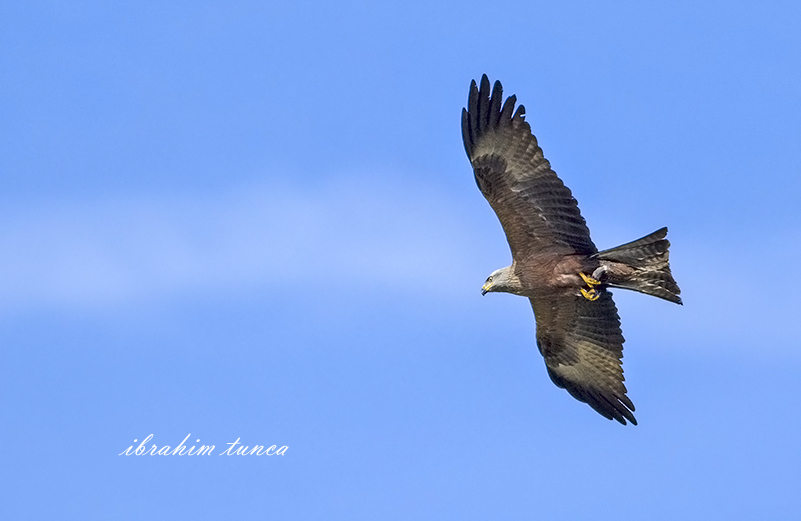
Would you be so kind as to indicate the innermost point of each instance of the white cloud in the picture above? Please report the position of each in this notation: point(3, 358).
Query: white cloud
point(389, 237)
point(99, 252)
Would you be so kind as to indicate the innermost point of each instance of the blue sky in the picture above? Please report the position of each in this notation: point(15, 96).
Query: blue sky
point(256, 220)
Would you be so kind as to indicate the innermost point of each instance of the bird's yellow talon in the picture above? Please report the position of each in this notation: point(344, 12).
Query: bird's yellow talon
point(589, 280)
point(591, 294)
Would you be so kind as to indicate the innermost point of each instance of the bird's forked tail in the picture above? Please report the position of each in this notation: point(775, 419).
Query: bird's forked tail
point(640, 265)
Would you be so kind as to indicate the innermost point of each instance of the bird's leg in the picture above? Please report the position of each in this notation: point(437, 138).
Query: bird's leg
point(589, 280)
point(591, 294)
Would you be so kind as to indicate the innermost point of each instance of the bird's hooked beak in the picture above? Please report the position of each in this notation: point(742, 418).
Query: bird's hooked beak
point(485, 288)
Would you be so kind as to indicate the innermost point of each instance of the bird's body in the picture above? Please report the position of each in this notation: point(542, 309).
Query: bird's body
point(554, 262)
point(562, 275)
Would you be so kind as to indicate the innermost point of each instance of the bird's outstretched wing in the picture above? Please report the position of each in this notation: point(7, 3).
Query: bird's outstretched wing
point(537, 211)
point(582, 344)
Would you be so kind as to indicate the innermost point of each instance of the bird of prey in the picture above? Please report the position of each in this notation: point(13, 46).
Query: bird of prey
point(554, 262)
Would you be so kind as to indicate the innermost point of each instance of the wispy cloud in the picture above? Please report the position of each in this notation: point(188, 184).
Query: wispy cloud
point(99, 252)
point(388, 236)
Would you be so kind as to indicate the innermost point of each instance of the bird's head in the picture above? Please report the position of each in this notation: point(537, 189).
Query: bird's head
point(501, 280)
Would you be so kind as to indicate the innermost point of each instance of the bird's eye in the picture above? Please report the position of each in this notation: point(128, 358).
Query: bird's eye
point(489, 280)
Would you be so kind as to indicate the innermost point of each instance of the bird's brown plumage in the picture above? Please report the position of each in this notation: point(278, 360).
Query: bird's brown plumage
point(580, 339)
point(537, 211)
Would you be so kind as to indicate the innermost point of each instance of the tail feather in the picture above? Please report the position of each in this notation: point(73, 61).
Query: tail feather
point(640, 265)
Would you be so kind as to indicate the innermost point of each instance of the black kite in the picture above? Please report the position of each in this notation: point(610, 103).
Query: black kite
point(554, 262)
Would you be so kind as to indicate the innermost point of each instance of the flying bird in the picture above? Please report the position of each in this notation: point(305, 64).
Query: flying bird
point(554, 262)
